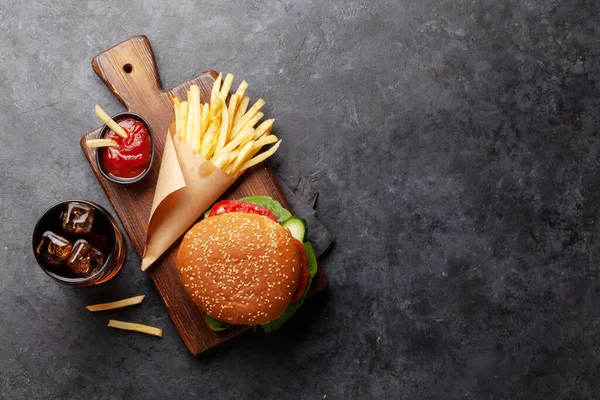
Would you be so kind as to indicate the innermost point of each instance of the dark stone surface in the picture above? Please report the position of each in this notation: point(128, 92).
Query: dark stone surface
point(455, 146)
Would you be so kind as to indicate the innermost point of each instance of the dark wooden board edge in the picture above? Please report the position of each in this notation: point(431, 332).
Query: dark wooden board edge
point(162, 278)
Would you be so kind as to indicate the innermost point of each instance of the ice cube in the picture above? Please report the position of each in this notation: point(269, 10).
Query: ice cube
point(84, 259)
point(53, 248)
point(78, 218)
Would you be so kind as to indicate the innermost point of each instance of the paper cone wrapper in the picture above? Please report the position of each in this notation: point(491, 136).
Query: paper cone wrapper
point(187, 186)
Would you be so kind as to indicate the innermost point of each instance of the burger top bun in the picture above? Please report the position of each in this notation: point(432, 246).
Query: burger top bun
point(239, 268)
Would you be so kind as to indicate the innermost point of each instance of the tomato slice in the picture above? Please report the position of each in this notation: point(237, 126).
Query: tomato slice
point(303, 273)
point(229, 206)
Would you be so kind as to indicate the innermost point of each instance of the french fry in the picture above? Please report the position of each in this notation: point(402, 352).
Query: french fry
point(212, 146)
point(183, 109)
point(129, 326)
point(97, 143)
point(241, 90)
point(224, 126)
point(221, 160)
point(233, 102)
point(241, 110)
point(228, 165)
point(231, 157)
point(248, 116)
point(269, 139)
point(205, 119)
point(176, 106)
point(242, 156)
point(261, 157)
point(189, 126)
point(209, 142)
point(263, 129)
point(216, 88)
point(108, 121)
point(131, 301)
point(195, 137)
point(227, 85)
point(198, 141)
point(253, 121)
point(215, 105)
point(239, 140)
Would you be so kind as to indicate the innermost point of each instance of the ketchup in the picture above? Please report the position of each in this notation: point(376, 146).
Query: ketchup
point(132, 155)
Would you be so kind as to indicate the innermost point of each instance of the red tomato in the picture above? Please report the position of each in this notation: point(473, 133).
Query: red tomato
point(303, 273)
point(229, 206)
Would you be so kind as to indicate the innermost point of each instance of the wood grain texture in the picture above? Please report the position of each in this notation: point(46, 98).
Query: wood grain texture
point(129, 71)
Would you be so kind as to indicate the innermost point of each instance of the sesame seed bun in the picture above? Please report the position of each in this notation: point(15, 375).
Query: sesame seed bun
point(239, 268)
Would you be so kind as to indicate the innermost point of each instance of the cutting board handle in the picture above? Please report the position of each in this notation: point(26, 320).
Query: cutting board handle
point(129, 71)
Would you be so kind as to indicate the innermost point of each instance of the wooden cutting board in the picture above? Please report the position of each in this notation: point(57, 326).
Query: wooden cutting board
point(129, 71)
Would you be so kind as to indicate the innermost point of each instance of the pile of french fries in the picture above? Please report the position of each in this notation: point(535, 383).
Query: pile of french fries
point(224, 131)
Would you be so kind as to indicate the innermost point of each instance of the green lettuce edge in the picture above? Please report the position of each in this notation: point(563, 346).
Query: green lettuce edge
point(311, 262)
point(215, 324)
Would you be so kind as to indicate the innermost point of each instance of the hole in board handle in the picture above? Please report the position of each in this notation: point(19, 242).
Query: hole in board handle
point(127, 68)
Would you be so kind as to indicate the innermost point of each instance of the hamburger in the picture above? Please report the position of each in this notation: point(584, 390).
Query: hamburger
point(245, 263)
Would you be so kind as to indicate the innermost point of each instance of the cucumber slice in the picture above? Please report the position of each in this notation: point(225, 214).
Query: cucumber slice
point(297, 226)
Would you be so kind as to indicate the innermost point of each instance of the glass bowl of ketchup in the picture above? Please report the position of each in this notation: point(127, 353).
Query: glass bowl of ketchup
point(131, 160)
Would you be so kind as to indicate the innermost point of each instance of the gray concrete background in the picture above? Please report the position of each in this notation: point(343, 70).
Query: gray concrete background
point(455, 146)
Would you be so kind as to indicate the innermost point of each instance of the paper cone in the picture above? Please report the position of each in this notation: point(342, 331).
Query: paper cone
point(187, 186)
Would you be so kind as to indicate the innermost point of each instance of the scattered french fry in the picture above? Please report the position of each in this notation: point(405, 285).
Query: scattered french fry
point(223, 129)
point(116, 304)
point(96, 143)
point(130, 326)
point(108, 121)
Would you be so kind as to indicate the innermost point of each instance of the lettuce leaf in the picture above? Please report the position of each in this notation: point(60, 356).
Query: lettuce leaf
point(311, 261)
point(215, 324)
point(272, 205)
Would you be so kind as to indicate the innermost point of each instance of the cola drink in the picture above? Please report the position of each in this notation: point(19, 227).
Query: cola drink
point(78, 243)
